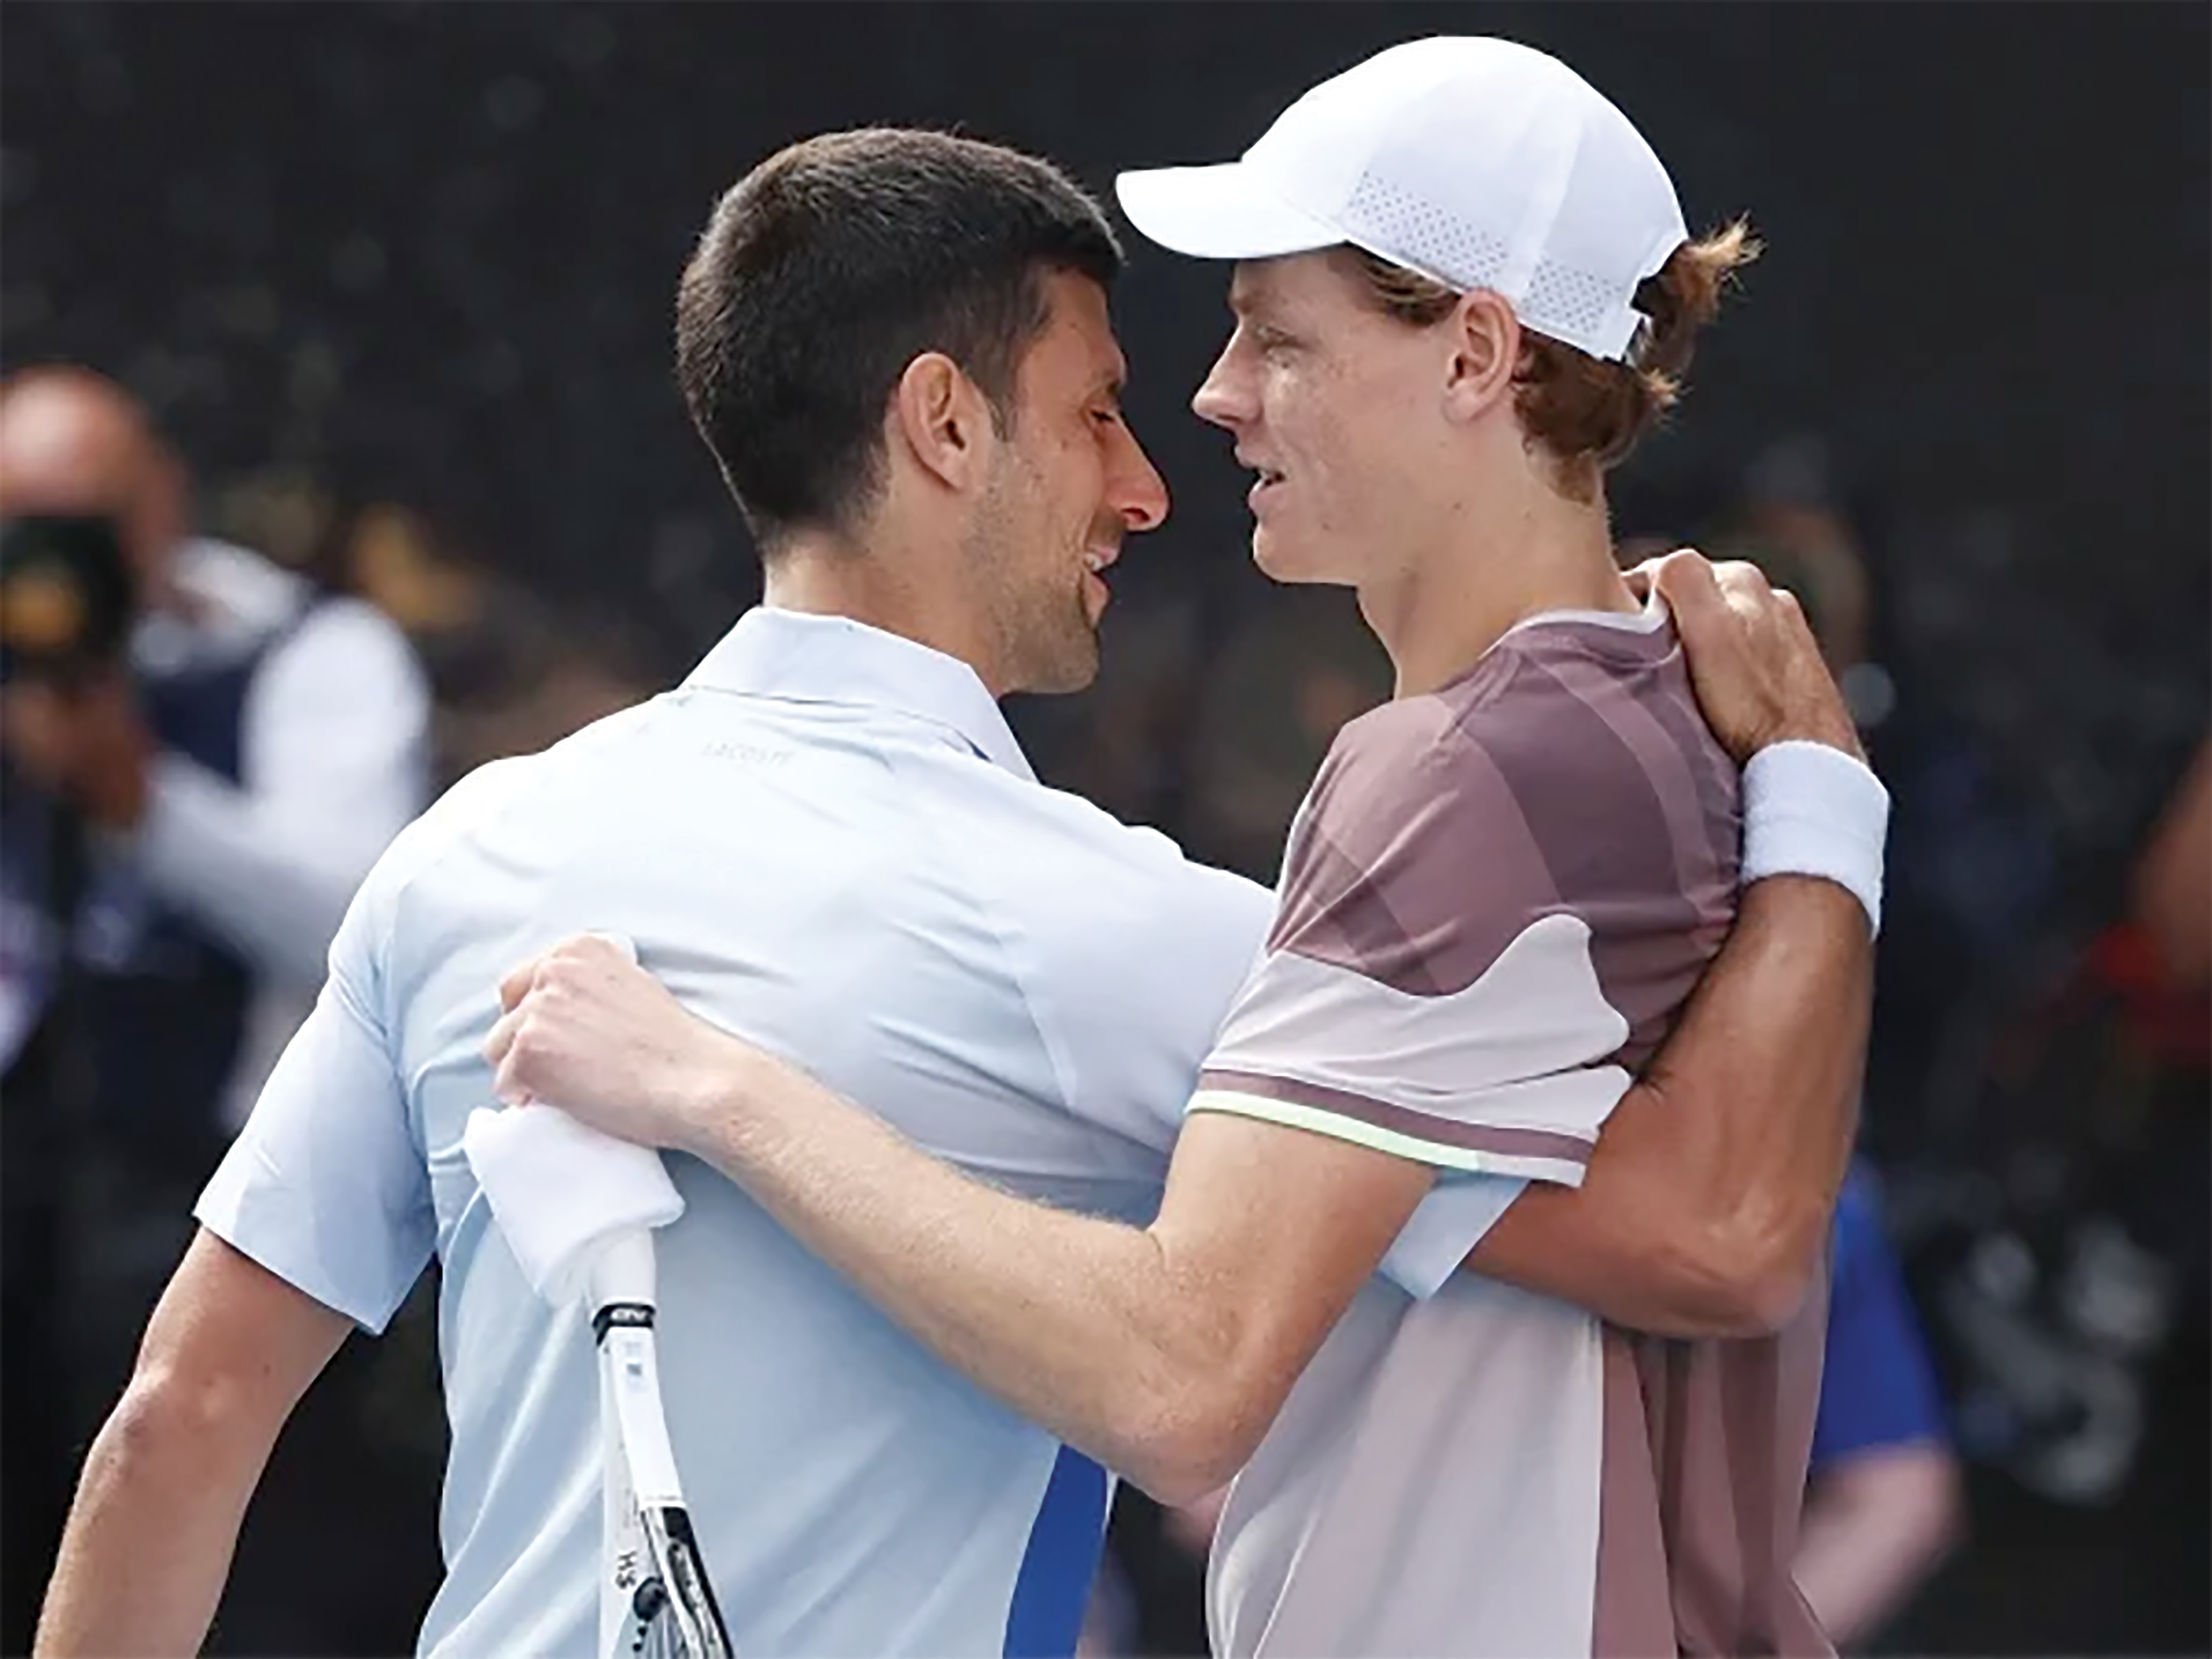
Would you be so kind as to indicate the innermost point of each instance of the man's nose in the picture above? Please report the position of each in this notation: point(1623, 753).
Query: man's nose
point(1138, 492)
point(1226, 397)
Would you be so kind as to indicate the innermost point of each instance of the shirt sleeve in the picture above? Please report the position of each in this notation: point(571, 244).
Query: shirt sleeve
point(1878, 1389)
point(335, 763)
point(324, 1186)
point(1129, 988)
point(1424, 989)
point(1436, 1240)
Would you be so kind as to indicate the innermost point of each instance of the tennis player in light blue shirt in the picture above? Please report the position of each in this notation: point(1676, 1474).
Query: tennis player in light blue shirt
point(826, 835)
point(896, 345)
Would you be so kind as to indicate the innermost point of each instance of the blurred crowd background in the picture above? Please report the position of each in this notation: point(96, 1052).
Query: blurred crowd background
point(394, 283)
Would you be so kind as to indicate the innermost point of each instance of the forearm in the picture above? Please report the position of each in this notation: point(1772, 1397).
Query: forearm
point(1873, 1533)
point(1081, 1325)
point(276, 890)
point(1752, 1114)
point(1706, 1204)
point(148, 1543)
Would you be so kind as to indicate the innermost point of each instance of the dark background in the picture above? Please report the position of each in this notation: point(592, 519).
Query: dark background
point(424, 255)
point(430, 250)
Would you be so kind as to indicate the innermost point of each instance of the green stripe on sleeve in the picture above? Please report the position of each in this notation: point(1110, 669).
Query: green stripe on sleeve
point(1340, 1126)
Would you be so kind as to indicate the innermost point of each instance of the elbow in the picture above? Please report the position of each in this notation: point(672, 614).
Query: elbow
point(1770, 1289)
point(165, 1419)
point(1179, 1470)
point(1198, 1391)
point(1743, 1280)
point(1191, 1440)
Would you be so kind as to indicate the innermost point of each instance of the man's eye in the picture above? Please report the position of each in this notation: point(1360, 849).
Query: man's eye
point(1107, 416)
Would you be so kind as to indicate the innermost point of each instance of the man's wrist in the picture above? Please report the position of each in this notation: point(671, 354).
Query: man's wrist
point(713, 1088)
point(1834, 731)
point(1810, 809)
point(695, 1097)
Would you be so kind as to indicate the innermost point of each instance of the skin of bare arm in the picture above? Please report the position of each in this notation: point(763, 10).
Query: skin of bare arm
point(230, 1350)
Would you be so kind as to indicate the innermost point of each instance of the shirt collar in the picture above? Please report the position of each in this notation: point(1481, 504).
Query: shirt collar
point(804, 658)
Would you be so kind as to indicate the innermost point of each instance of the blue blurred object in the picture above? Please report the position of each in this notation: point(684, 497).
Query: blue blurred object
point(1880, 1387)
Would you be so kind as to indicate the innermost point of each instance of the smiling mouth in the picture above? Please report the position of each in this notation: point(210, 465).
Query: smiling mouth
point(1265, 475)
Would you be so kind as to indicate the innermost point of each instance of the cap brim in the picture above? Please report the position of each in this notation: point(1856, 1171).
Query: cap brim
point(1221, 212)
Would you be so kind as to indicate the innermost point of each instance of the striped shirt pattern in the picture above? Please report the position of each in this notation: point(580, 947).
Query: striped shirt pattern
point(1495, 902)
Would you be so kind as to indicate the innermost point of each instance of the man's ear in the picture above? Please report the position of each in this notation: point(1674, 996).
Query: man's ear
point(942, 419)
point(1486, 346)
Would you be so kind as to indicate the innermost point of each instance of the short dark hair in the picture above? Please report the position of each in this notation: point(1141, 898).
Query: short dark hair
point(833, 265)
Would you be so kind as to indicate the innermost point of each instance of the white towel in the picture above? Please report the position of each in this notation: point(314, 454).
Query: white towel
point(559, 1189)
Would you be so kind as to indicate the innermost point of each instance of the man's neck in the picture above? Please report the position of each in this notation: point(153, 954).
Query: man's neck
point(902, 596)
point(1538, 551)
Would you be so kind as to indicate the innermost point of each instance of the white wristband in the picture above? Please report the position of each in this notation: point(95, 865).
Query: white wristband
point(1809, 810)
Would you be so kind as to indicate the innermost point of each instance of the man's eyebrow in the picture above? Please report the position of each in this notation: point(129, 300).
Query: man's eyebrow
point(1248, 300)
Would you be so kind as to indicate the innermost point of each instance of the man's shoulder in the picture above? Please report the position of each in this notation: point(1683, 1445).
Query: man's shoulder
point(248, 584)
point(1390, 773)
point(586, 765)
point(1411, 862)
point(1560, 725)
point(1509, 723)
point(1393, 739)
point(330, 623)
point(1567, 703)
point(1570, 762)
point(343, 659)
point(461, 813)
point(1062, 854)
point(1057, 834)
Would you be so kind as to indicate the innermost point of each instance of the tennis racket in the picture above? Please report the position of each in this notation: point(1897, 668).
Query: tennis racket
point(655, 1600)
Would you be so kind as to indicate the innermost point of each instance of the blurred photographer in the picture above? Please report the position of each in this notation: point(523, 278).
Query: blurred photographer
point(203, 753)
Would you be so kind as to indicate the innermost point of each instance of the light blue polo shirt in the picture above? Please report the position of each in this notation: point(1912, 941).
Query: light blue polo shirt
point(826, 840)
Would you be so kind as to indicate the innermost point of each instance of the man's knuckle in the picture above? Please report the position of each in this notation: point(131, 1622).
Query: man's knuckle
point(1691, 572)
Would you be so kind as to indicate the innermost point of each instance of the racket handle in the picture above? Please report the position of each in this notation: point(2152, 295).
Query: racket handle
point(622, 1270)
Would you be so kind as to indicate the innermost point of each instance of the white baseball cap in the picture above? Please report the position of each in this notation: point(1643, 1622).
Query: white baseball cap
point(1477, 162)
